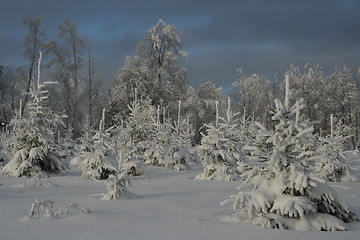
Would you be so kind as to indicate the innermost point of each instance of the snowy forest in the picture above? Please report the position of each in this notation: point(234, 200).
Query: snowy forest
point(283, 140)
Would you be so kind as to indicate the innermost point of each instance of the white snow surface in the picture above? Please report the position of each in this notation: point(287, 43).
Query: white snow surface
point(163, 205)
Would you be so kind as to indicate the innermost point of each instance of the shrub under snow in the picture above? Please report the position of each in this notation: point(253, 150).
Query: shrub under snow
point(44, 208)
point(116, 186)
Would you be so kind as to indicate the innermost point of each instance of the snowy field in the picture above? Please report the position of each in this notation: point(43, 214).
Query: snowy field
point(164, 205)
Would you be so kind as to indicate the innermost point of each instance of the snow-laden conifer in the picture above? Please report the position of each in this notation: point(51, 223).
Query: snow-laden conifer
point(330, 158)
point(220, 151)
point(85, 143)
point(67, 142)
point(97, 165)
point(134, 139)
point(33, 141)
point(116, 186)
point(282, 193)
point(157, 143)
point(85, 140)
point(177, 154)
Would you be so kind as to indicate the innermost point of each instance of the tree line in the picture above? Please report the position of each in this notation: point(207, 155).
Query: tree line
point(158, 76)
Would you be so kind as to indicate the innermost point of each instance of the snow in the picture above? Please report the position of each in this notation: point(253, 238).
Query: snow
point(170, 205)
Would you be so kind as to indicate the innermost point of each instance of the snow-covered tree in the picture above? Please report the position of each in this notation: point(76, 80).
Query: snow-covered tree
point(255, 95)
point(324, 95)
point(283, 193)
point(177, 154)
point(97, 165)
point(210, 98)
point(135, 137)
point(3, 157)
point(34, 144)
point(116, 186)
point(85, 140)
point(158, 142)
point(68, 143)
point(84, 144)
point(155, 70)
point(220, 151)
point(34, 42)
point(330, 158)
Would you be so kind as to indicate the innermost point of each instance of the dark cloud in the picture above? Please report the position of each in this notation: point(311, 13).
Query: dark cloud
point(260, 36)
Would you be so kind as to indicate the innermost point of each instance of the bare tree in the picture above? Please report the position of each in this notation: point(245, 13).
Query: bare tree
point(67, 62)
point(34, 41)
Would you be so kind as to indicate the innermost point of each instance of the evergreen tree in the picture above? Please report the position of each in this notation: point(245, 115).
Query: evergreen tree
point(220, 151)
point(135, 136)
point(116, 186)
point(97, 165)
point(283, 193)
point(68, 143)
point(34, 144)
point(158, 142)
point(177, 154)
point(330, 158)
point(85, 140)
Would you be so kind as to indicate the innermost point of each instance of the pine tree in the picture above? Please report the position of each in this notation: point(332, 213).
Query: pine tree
point(157, 144)
point(220, 150)
point(35, 148)
point(283, 193)
point(134, 138)
point(177, 154)
point(68, 143)
point(97, 165)
point(85, 140)
point(116, 186)
point(330, 157)
point(84, 144)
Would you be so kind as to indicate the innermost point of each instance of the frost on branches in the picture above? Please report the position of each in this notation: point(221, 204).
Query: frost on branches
point(44, 208)
point(85, 143)
point(116, 186)
point(67, 143)
point(330, 158)
point(96, 165)
point(134, 139)
point(3, 157)
point(33, 141)
point(282, 193)
point(177, 154)
point(156, 145)
point(220, 150)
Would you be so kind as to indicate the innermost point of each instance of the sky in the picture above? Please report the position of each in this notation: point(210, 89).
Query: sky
point(259, 36)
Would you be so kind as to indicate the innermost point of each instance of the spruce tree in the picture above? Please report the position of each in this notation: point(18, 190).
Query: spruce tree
point(283, 193)
point(97, 165)
point(34, 144)
point(177, 154)
point(220, 150)
point(330, 157)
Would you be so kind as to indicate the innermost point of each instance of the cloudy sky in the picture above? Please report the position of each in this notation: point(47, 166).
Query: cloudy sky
point(260, 36)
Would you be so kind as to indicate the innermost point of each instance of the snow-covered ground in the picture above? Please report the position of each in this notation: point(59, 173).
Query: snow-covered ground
point(164, 205)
